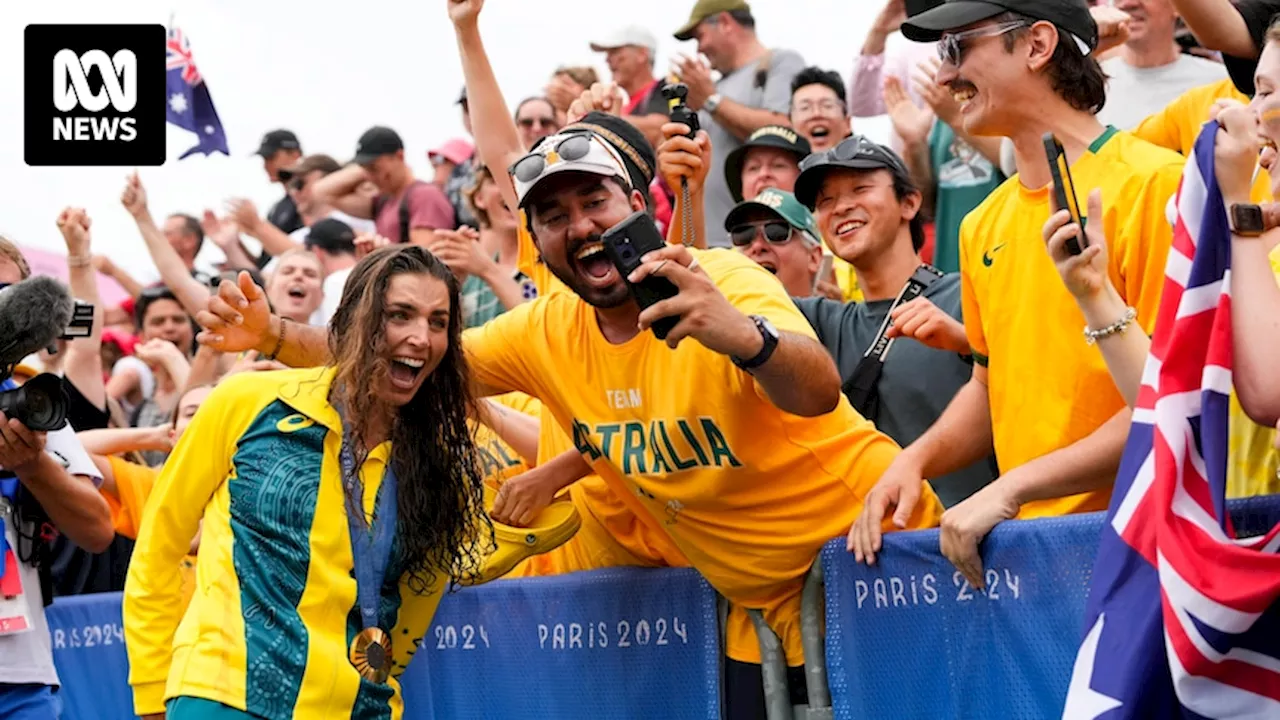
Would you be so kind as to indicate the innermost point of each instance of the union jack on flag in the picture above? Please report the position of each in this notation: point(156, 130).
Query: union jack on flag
point(178, 56)
point(1182, 616)
point(188, 103)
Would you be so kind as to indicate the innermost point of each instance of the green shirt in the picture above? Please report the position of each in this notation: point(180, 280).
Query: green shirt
point(964, 178)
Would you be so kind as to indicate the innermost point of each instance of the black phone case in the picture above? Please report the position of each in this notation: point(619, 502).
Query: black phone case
point(1053, 150)
point(627, 242)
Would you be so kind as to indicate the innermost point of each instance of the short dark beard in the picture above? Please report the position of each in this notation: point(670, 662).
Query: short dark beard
point(620, 295)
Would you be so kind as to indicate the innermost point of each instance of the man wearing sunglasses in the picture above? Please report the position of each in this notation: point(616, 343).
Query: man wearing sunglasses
point(684, 431)
point(868, 209)
point(780, 235)
point(1039, 393)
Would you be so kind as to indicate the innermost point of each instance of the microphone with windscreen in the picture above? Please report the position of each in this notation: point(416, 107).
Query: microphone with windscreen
point(34, 314)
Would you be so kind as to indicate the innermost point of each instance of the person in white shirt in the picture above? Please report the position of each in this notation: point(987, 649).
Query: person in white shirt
point(1149, 71)
point(333, 243)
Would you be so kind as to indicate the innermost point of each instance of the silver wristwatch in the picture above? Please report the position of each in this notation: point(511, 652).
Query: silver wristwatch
point(712, 103)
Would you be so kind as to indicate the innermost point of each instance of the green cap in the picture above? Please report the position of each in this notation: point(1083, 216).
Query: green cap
point(705, 9)
point(780, 203)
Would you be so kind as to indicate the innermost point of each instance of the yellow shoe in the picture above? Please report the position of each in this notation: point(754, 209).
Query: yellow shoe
point(551, 528)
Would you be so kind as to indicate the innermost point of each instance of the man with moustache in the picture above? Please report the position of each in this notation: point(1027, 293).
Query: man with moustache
point(1039, 392)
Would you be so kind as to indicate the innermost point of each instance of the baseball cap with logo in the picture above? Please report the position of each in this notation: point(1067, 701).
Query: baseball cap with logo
point(780, 203)
point(376, 142)
point(774, 136)
point(629, 36)
point(705, 9)
point(853, 153)
point(574, 151)
point(277, 140)
point(1070, 15)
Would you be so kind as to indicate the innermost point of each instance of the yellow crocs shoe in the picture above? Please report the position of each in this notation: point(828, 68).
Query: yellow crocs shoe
point(551, 528)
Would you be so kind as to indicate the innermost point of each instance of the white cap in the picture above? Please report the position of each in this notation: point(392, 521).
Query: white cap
point(600, 159)
point(630, 35)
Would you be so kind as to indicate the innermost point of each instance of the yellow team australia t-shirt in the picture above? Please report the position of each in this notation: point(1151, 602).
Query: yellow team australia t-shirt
point(1253, 462)
point(692, 445)
point(1047, 388)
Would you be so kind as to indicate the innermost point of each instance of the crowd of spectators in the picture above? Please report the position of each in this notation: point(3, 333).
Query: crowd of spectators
point(871, 337)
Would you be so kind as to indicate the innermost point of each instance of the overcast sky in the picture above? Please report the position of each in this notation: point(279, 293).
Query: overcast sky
point(328, 71)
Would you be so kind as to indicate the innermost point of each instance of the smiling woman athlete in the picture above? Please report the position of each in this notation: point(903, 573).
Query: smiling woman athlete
point(315, 581)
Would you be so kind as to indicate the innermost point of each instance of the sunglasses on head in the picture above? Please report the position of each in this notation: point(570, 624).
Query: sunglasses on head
point(571, 148)
point(952, 46)
point(847, 150)
point(775, 232)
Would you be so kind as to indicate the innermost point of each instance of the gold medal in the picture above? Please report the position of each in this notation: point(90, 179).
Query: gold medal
point(371, 655)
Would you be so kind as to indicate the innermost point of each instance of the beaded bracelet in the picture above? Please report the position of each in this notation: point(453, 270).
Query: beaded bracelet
point(279, 341)
point(1119, 326)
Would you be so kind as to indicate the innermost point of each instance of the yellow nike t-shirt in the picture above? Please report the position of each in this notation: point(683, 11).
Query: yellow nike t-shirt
point(1047, 388)
point(692, 445)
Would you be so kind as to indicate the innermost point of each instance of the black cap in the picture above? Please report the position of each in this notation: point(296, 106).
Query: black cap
point(774, 136)
point(1070, 15)
point(332, 236)
point(854, 153)
point(636, 151)
point(277, 140)
point(376, 142)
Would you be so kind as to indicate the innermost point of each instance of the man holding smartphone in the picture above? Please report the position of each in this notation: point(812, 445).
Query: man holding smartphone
point(1039, 392)
point(696, 456)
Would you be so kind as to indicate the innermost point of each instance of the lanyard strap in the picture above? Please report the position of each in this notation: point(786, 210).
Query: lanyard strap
point(921, 279)
point(370, 546)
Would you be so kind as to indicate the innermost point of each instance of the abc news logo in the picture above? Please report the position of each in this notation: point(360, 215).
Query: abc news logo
point(95, 95)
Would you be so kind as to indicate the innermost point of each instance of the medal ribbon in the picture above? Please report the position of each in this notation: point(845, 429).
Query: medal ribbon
point(370, 547)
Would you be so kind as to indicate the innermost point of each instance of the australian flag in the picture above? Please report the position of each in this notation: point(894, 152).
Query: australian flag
point(188, 103)
point(1182, 619)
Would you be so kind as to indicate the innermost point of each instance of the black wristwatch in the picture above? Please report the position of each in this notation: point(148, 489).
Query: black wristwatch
point(1246, 219)
point(770, 335)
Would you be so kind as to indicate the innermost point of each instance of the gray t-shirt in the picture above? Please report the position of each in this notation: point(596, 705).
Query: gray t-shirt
point(917, 382)
point(740, 86)
point(27, 657)
point(1134, 93)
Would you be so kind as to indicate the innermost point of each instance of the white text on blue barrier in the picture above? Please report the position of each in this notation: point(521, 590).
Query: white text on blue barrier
point(577, 636)
point(894, 591)
point(88, 636)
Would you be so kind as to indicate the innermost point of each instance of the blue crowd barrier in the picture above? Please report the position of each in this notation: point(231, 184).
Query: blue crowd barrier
point(623, 642)
point(910, 638)
point(88, 650)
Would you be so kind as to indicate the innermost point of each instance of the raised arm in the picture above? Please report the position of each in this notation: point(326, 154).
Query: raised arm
point(193, 294)
point(680, 158)
point(238, 319)
point(344, 190)
point(799, 376)
point(497, 138)
point(1218, 25)
point(83, 367)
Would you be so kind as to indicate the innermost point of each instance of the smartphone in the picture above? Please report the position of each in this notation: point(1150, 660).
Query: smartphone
point(627, 242)
point(1064, 191)
point(824, 271)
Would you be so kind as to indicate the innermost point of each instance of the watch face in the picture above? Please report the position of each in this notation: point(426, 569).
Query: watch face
point(768, 326)
point(1246, 219)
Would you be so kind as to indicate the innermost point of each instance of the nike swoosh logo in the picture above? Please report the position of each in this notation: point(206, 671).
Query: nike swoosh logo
point(986, 256)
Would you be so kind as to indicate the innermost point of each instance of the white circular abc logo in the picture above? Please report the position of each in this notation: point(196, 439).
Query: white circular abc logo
point(119, 81)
